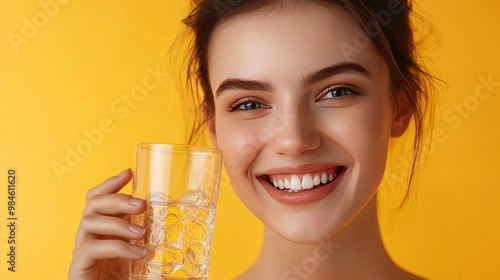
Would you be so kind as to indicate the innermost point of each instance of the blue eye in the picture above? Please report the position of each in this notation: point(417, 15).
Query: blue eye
point(250, 106)
point(247, 104)
point(337, 93)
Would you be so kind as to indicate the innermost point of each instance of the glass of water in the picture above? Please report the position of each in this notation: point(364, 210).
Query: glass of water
point(180, 184)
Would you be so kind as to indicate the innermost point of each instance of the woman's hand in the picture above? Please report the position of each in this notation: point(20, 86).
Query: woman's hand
point(102, 248)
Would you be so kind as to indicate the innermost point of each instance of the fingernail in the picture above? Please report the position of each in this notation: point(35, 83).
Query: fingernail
point(137, 250)
point(136, 229)
point(135, 201)
point(123, 172)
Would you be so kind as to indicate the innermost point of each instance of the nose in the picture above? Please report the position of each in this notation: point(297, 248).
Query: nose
point(296, 135)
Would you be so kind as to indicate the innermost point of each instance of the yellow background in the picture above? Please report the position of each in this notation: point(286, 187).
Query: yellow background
point(70, 76)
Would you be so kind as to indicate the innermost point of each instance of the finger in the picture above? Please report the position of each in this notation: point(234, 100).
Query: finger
point(111, 226)
point(111, 185)
point(114, 205)
point(94, 250)
point(93, 226)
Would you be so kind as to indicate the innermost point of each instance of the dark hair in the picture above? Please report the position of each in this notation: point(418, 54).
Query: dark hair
point(386, 22)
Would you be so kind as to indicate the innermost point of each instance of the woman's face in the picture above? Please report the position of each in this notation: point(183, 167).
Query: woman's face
point(303, 117)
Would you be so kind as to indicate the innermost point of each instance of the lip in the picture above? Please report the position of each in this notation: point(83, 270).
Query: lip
point(300, 169)
point(305, 196)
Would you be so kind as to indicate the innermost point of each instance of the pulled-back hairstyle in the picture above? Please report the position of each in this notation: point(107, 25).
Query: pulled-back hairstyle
point(388, 23)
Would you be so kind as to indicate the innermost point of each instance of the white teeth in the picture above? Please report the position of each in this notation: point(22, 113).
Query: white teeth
point(324, 178)
point(295, 183)
point(317, 180)
point(307, 182)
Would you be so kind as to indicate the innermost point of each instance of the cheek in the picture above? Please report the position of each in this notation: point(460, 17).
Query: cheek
point(239, 145)
point(363, 133)
point(374, 132)
point(368, 142)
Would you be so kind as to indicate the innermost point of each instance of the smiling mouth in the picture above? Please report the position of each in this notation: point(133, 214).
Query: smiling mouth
point(303, 182)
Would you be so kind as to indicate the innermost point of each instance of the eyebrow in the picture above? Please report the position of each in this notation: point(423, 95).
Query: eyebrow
point(331, 71)
point(307, 81)
point(244, 85)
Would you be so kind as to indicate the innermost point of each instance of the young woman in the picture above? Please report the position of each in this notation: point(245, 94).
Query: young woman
point(302, 97)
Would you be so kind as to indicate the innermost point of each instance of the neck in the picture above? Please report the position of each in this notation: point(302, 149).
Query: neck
point(358, 245)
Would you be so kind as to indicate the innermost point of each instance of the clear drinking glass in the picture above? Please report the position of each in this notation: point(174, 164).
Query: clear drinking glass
point(180, 184)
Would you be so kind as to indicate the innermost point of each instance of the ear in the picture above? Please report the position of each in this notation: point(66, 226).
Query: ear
point(402, 116)
point(211, 131)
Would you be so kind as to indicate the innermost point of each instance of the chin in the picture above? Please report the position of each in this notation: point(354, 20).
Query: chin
point(312, 215)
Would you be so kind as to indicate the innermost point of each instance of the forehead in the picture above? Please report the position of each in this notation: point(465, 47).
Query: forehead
point(287, 41)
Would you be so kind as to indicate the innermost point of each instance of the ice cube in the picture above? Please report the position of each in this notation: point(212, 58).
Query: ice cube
point(171, 219)
point(196, 231)
point(156, 213)
point(173, 234)
point(156, 234)
point(197, 254)
point(194, 198)
point(167, 260)
point(173, 210)
point(158, 197)
point(193, 270)
point(202, 213)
